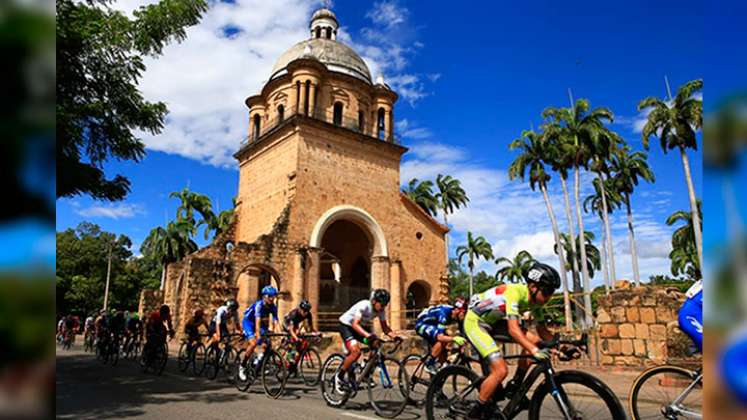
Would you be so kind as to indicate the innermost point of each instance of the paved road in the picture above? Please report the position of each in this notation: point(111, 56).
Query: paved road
point(86, 389)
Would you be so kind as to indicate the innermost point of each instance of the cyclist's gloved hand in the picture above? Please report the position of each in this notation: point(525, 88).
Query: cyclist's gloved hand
point(541, 355)
point(370, 339)
point(459, 341)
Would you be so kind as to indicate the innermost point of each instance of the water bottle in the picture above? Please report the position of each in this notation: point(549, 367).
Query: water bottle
point(258, 358)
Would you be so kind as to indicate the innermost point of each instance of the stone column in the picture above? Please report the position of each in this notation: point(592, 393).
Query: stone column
point(312, 99)
point(296, 288)
point(395, 289)
point(389, 121)
point(379, 280)
point(302, 99)
point(251, 287)
point(293, 103)
point(312, 282)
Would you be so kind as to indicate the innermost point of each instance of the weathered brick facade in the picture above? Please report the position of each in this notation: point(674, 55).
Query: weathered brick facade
point(319, 206)
point(638, 327)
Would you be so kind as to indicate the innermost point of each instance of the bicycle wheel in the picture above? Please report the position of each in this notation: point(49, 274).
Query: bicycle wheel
point(418, 378)
point(245, 378)
point(274, 375)
point(655, 390)
point(183, 358)
point(212, 360)
point(310, 366)
point(230, 357)
point(384, 385)
point(162, 358)
point(198, 359)
point(585, 396)
point(451, 392)
point(332, 396)
point(114, 356)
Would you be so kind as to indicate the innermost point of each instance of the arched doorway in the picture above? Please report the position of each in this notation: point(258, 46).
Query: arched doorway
point(348, 246)
point(251, 280)
point(418, 298)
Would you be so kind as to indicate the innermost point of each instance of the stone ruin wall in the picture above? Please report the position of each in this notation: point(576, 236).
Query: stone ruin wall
point(638, 327)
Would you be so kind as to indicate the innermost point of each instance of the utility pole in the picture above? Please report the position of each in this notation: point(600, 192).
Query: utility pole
point(108, 276)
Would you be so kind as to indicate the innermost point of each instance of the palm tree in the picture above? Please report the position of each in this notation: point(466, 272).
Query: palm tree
point(475, 248)
point(191, 202)
point(592, 252)
point(514, 270)
point(675, 124)
point(579, 127)
point(220, 223)
point(629, 168)
point(596, 203)
point(450, 196)
point(421, 192)
point(683, 255)
point(534, 153)
point(170, 244)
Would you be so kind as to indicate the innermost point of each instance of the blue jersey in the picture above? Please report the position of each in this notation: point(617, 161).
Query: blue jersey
point(691, 315)
point(260, 310)
point(436, 315)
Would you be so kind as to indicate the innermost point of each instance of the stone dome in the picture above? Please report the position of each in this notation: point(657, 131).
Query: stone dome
point(324, 47)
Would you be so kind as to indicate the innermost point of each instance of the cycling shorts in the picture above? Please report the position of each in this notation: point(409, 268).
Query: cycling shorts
point(349, 334)
point(223, 329)
point(249, 328)
point(691, 322)
point(429, 332)
point(479, 333)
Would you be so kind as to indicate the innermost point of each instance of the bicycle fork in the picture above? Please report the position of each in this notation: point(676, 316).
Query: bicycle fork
point(559, 395)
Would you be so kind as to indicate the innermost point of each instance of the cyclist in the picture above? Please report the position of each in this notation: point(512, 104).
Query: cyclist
point(157, 327)
point(117, 325)
point(192, 327)
point(134, 330)
point(498, 311)
point(293, 323)
point(258, 319)
point(219, 325)
point(88, 327)
point(691, 314)
point(352, 331)
point(431, 325)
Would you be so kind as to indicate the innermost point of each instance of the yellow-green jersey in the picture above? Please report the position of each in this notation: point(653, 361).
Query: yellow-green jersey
point(504, 302)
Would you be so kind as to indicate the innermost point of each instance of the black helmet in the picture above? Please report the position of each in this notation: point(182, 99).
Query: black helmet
point(381, 296)
point(165, 310)
point(544, 275)
point(305, 305)
point(232, 304)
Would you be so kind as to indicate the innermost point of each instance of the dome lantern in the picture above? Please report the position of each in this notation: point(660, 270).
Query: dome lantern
point(324, 25)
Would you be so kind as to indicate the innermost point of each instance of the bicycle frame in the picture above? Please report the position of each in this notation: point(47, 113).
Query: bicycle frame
point(675, 405)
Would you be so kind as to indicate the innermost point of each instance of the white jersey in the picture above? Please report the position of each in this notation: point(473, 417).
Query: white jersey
point(362, 311)
point(694, 289)
point(221, 316)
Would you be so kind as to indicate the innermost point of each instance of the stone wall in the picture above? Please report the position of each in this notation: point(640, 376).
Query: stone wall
point(638, 327)
point(150, 300)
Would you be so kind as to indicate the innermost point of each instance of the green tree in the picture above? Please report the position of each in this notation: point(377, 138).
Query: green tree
point(683, 256)
point(169, 244)
point(591, 254)
point(450, 196)
point(475, 249)
point(100, 59)
point(421, 192)
point(604, 199)
point(534, 153)
point(459, 280)
point(629, 169)
point(191, 202)
point(675, 124)
point(578, 127)
point(513, 270)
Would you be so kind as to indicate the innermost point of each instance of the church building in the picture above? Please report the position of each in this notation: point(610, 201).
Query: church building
point(319, 212)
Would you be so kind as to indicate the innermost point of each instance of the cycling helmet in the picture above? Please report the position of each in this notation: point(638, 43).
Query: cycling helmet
point(269, 291)
point(164, 309)
point(381, 296)
point(305, 305)
point(199, 313)
point(460, 303)
point(544, 275)
point(232, 304)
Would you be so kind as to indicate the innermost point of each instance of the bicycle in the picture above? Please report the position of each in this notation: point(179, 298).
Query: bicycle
point(269, 365)
point(566, 390)
point(154, 357)
point(88, 342)
point(217, 358)
point(302, 359)
point(379, 374)
point(131, 349)
point(67, 340)
point(667, 392)
point(192, 354)
point(420, 378)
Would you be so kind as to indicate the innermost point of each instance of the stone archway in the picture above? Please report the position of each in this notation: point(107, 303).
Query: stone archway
point(418, 297)
point(351, 258)
point(251, 280)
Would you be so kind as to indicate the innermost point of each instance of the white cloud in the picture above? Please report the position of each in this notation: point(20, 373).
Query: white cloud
point(111, 211)
point(407, 129)
point(388, 13)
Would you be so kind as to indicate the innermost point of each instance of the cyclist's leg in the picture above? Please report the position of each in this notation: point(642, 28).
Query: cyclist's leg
point(251, 340)
point(350, 338)
point(479, 335)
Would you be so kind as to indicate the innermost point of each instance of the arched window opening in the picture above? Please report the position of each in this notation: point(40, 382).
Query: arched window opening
point(298, 97)
point(257, 120)
point(361, 121)
point(318, 32)
point(380, 125)
point(306, 101)
point(329, 32)
point(337, 115)
point(281, 113)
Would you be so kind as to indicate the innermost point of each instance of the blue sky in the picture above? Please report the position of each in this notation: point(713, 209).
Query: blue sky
point(470, 80)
